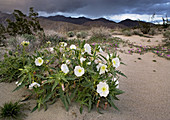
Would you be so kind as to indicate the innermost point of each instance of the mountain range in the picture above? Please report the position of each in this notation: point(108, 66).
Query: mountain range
point(69, 23)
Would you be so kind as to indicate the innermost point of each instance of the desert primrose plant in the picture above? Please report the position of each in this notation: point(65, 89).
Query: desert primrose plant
point(72, 73)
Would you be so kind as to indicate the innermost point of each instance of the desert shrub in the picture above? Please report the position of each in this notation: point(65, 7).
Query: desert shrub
point(70, 34)
point(23, 24)
point(2, 34)
point(74, 73)
point(166, 34)
point(54, 39)
point(28, 37)
point(127, 32)
point(82, 34)
point(13, 111)
point(152, 31)
point(100, 33)
point(144, 27)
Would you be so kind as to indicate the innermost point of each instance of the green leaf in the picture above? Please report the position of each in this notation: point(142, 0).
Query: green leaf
point(40, 76)
point(81, 109)
point(103, 56)
point(63, 99)
point(120, 73)
point(122, 63)
point(39, 106)
point(73, 94)
point(68, 98)
point(21, 86)
point(71, 78)
point(34, 109)
point(55, 84)
point(111, 102)
point(48, 96)
point(118, 92)
point(45, 106)
point(90, 71)
point(90, 105)
point(29, 78)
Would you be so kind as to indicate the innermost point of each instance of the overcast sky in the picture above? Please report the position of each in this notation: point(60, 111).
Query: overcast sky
point(115, 10)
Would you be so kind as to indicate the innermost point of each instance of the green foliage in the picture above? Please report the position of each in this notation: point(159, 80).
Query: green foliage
point(9, 67)
point(29, 37)
point(47, 81)
point(23, 24)
point(10, 64)
point(13, 111)
point(70, 34)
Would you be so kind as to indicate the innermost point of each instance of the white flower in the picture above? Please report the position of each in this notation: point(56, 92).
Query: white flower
point(17, 83)
point(51, 49)
point(108, 56)
point(25, 43)
point(102, 68)
point(87, 48)
point(48, 42)
point(100, 49)
point(82, 53)
point(103, 89)
point(39, 61)
point(117, 82)
point(64, 68)
point(89, 63)
point(34, 84)
point(68, 62)
point(78, 71)
point(115, 62)
point(63, 44)
point(73, 47)
point(82, 59)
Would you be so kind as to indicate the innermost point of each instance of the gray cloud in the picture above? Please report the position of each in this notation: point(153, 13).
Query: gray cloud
point(91, 8)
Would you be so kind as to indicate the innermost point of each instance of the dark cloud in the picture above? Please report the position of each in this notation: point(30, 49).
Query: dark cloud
point(91, 8)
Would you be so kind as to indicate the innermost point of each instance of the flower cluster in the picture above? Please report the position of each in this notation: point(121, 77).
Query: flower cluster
point(80, 73)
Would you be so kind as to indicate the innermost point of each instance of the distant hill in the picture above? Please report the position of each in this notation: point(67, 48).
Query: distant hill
point(100, 22)
point(132, 23)
point(79, 20)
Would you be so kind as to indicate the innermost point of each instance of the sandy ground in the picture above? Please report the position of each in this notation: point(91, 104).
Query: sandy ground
point(137, 40)
point(146, 97)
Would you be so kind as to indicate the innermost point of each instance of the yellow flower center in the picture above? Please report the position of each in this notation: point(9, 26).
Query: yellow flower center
point(79, 70)
point(39, 60)
point(103, 67)
point(114, 62)
point(103, 89)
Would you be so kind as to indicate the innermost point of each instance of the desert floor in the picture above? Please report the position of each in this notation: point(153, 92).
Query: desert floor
point(146, 97)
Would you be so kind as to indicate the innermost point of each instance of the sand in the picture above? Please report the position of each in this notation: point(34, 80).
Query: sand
point(146, 97)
